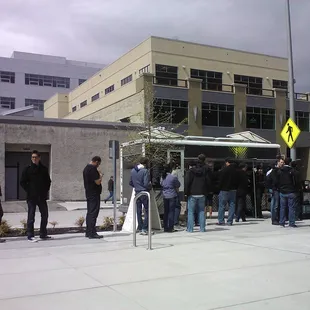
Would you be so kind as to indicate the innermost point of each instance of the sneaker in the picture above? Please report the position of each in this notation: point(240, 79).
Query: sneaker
point(96, 236)
point(46, 238)
point(145, 233)
point(275, 223)
point(178, 228)
point(229, 224)
point(32, 239)
point(2, 240)
point(293, 226)
point(221, 224)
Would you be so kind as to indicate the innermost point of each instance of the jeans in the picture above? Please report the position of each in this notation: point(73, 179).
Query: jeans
point(230, 198)
point(177, 210)
point(143, 201)
point(200, 203)
point(289, 201)
point(93, 208)
point(169, 210)
point(274, 205)
point(32, 205)
point(111, 195)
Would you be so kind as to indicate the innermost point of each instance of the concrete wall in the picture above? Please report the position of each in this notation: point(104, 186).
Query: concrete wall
point(72, 146)
point(43, 65)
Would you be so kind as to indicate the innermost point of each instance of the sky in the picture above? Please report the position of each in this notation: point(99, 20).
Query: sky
point(102, 30)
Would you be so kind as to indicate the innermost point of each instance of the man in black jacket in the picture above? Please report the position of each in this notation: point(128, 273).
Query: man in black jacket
point(36, 182)
point(229, 182)
point(288, 180)
point(195, 190)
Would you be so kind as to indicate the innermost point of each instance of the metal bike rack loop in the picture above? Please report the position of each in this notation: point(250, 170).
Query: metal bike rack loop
point(134, 234)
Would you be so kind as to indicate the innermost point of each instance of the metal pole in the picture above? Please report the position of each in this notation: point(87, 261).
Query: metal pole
point(134, 222)
point(254, 191)
point(150, 223)
point(121, 174)
point(114, 186)
point(291, 72)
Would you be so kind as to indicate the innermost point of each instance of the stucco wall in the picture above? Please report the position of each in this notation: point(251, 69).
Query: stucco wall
point(71, 149)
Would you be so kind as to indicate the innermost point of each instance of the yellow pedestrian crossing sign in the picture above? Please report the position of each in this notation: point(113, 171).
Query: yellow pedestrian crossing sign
point(290, 133)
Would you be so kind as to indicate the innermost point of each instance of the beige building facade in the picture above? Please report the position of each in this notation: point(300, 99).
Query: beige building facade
point(217, 90)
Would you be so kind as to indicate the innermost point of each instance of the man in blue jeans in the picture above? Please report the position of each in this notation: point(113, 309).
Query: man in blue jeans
point(229, 181)
point(289, 181)
point(196, 189)
point(140, 180)
point(273, 188)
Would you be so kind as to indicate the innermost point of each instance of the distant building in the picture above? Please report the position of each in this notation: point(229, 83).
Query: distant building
point(30, 79)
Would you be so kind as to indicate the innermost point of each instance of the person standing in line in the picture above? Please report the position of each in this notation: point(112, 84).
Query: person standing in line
point(92, 183)
point(260, 189)
point(242, 192)
point(273, 188)
point(140, 180)
point(196, 189)
point(1, 213)
point(111, 190)
point(176, 171)
point(229, 183)
point(36, 182)
point(288, 180)
point(170, 185)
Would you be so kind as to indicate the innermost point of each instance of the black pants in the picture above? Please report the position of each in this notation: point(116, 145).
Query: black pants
point(32, 205)
point(241, 206)
point(93, 207)
point(1, 212)
point(259, 199)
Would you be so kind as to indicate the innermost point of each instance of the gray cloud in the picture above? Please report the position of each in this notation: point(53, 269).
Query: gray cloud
point(102, 30)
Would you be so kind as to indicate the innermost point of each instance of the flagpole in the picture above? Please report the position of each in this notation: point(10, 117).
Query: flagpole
point(291, 72)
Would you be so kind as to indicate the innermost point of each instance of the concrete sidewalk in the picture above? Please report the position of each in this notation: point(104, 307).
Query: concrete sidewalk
point(249, 266)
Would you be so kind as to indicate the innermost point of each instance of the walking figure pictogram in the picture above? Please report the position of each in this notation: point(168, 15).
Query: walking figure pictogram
point(290, 132)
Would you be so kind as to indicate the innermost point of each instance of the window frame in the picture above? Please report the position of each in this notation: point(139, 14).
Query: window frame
point(10, 104)
point(47, 80)
point(109, 89)
point(126, 80)
point(95, 97)
point(7, 77)
point(217, 109)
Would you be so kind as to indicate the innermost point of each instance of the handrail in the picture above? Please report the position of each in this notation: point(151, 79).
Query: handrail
point(135, 219)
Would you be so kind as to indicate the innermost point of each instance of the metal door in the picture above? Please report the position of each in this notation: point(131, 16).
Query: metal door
point(11, 183)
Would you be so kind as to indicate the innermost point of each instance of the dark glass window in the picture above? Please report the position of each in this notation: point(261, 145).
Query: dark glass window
point(219, 115)
point(126, 80)
point(279, 84)
point(45, 80)
point(7, 77)
point(73, 109)
point(95, 97)
point(254, 84)
point(166, 75)
point(170, 111)
point(109, 89)
point(7, 102)
point(260, 118)
point(301, 120)
point(83, 104)
point(37, 104)
point(211, 80)
point(81, 81)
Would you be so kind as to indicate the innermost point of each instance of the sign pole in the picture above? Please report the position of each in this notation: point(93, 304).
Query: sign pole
point(291, 72)
point(114, 185)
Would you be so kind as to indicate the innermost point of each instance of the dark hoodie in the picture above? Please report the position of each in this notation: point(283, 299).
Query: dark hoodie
point(288, 180)
point(196, 181)
point(229, 178)
point(140, 179)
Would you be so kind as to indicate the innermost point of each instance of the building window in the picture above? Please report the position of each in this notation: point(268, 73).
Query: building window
point(166, 75)
point(45, 80)
point(254, 84)
point(126, 80)
point(170, 111)
point(109, 89)
point(95, 97)
point(260, 118)
point(145, 69)
point(7, 77)
point(279, 84)
point(218, 115)
point(81, 81)
point(37, 104)
point(7, 103)
point(211, 80)
point(301, 119)
point(73, 109)
point(83, 104)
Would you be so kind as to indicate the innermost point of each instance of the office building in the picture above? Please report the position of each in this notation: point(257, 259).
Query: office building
point(28, 80)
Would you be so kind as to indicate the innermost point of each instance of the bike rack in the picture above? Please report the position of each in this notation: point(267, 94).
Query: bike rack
point(135, 219)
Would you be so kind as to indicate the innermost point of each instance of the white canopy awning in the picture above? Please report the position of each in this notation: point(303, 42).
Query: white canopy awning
point(248, 136)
